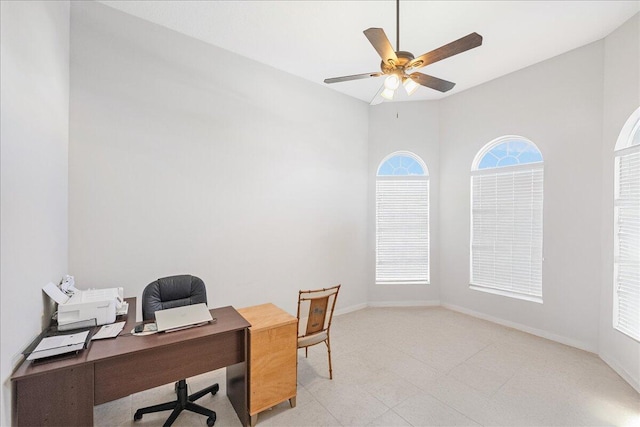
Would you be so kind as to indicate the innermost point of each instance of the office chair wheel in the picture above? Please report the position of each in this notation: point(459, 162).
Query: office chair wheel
point(137, 416)
point(214, 390)
point(211, 420)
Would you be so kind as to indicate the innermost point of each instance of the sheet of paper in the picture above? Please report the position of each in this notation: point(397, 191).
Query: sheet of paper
point(109, 331)
point(123, 309)
point(55, 293)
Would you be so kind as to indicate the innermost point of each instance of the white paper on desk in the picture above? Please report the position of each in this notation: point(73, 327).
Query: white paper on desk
point(55, 293)
point(123, 309)
point(109, 331)
point(59, 344)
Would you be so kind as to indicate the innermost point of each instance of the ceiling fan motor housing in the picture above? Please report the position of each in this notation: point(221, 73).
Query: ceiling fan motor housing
point(391, 66)
point(399, 67)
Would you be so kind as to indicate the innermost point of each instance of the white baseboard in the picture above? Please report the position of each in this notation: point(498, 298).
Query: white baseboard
point(424, 303)
point(349, 309)
point(380, 304)
point(613, 364)
point(538, 332)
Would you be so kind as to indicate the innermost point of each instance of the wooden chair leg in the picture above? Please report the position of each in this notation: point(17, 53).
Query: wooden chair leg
point(329, 356)
point(306, 352)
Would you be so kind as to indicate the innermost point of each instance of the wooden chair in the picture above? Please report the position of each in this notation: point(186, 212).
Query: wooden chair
point(315, 311)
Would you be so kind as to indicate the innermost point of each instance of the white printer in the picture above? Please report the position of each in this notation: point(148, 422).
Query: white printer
point(99, 304)
point(80, 307)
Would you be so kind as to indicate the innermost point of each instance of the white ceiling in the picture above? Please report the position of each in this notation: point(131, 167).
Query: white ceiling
point(320, 39)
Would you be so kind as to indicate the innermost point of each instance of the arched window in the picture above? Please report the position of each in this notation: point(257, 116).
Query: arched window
point(402, 220)
point(506, 219)
point(626, 264)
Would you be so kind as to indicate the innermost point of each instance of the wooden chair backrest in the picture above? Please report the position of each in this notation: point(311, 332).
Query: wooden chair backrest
point(315, 310)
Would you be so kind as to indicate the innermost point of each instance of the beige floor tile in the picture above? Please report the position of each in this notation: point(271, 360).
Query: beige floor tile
point(422, 366)
point(416, 372)
point(425, 410)
point(463, 398)
point(390, 389)
point(351, 405)
point(114, 413)
point(389, 419)
point(525, 406)
point(499, 358)
point(311, 415)
point(484, 380)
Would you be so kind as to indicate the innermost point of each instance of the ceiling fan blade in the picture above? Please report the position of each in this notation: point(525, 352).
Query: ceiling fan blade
point(432, 82)
point(461, 45)
point(382, 45)
point(354, 77)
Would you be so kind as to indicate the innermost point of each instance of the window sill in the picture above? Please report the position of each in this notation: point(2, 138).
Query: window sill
point(506, 293)
point(626, 333)
point(403, 283)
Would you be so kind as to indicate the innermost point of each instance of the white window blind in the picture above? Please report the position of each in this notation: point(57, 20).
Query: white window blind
point(506, 241)
point(402, 230)
point(627, 243)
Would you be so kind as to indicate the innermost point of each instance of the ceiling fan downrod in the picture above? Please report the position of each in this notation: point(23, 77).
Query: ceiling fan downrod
point(397, 25)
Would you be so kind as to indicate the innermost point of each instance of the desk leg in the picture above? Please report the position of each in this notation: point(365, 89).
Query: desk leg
point(237, 390)
point(60, 398)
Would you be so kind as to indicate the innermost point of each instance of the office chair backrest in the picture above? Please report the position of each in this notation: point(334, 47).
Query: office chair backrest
point(169, 292)
point(315, 310)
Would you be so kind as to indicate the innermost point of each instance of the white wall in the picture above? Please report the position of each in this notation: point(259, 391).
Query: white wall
point(558, 105)
point(172, 171)
point(621, 98)
point(409, 126)
point(186, 158)
point(34, 106)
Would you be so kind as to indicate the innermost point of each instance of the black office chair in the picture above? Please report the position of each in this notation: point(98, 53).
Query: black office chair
point(169, 292)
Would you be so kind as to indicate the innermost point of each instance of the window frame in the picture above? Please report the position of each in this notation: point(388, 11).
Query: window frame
point(381, 279)
point(512, 289)
point(627, 144)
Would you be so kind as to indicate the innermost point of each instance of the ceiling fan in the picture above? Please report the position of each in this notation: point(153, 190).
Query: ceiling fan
point(398, 65)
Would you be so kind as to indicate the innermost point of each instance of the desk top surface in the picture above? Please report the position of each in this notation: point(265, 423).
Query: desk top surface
point(227, 320)
point(266, 316)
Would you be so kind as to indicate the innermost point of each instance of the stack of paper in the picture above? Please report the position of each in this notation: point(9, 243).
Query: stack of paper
point(59, 344)
point(109, 331)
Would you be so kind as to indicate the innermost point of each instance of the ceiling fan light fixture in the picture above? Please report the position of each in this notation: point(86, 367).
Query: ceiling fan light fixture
point(392, 82)
point(410, 85)
point(387, 94)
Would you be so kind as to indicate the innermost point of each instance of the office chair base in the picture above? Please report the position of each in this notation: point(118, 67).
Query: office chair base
point(184, 402)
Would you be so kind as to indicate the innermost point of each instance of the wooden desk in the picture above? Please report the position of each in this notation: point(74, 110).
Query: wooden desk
point(272, 357)
point(59, 393)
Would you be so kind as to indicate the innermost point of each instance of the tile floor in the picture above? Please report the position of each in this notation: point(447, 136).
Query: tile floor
point(424, 367)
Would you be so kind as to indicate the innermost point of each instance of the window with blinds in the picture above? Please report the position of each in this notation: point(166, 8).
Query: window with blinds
point(507, 181)
point(402, 220)
point(626, 301)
